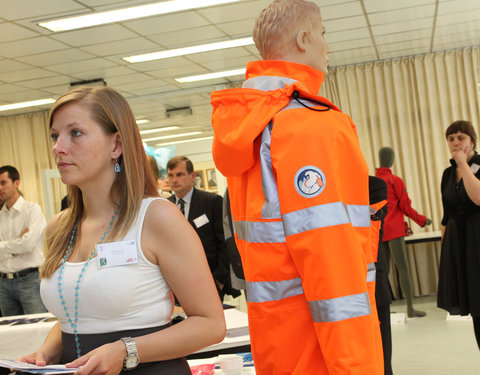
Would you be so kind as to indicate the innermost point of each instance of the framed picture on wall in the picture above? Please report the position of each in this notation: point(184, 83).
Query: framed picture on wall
point(199, 182)
point(211, 179)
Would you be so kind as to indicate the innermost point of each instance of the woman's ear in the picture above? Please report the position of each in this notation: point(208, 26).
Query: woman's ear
point(301, 40)
point(117, 147)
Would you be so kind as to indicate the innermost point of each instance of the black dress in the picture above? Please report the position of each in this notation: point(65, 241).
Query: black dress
point(459, 274)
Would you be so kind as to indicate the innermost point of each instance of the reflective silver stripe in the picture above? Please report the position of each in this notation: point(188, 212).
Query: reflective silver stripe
point(260, 231)
point(325, 215)
point(271, 205)
point(359, 215)
point(267, 291)
point(341, 308)
point(268, 83)
point(371, 272)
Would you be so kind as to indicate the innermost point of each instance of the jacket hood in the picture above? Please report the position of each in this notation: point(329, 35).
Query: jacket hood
point(240, 115)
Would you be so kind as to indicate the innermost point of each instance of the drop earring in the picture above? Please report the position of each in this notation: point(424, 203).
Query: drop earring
point(117, 167)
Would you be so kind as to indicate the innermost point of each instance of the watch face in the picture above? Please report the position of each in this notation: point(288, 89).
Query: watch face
point(132, 361)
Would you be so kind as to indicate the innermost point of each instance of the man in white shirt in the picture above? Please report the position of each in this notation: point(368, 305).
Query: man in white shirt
point(22, 225)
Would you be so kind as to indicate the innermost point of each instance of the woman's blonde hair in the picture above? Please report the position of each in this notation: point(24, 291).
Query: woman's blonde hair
point(275, 30)
point(134, 181)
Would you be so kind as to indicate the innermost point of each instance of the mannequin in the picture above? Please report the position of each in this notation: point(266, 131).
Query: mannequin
point(399, 204)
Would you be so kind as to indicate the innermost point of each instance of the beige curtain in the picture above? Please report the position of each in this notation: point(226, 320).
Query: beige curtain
point(25, 144)
point(407, 104)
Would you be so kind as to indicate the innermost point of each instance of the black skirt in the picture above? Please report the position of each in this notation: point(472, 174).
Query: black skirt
point(89, 342)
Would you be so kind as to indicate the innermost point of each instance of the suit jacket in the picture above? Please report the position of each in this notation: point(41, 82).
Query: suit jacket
point(211, 234)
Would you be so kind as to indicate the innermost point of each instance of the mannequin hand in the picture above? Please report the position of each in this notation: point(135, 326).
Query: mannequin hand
point(106, 360)
point(428, 222)
point(38, 358)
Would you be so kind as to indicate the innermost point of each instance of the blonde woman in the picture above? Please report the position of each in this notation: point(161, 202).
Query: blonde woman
point(117, 253)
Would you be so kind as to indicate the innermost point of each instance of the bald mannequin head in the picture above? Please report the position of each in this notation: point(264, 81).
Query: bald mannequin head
point(292, 30)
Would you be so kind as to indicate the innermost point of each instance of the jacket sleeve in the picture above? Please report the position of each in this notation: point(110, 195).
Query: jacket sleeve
point(36, 224)
point(404, 202)
point(221, 272)
point(327, 234)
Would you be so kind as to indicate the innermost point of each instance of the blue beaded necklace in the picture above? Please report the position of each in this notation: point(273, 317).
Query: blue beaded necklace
point(73, 321)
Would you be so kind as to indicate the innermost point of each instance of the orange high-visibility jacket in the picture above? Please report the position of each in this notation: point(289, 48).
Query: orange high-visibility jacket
point(298, 186)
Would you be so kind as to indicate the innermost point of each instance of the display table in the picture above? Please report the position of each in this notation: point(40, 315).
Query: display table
point(23, 334)
point(423, 237)
point(17, 339)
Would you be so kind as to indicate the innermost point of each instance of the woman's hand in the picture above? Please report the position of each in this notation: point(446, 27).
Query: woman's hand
point(460, 154)
point(105, 360)
point(38, 358)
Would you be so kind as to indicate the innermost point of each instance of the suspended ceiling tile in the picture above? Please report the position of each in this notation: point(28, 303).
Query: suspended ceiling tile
point(237, 28)
point(153, 89)
point(30, 46)
point(56, 57)
point(343, 10)
point(137, 86)
point(234, 11)
point(8, 65)
point(394, 16)
point(126, 47)
point(22, 96)
point(47, 82)
point(125, 79)
point(117, 71)
point(181, 38)
point(82, 66)
point(228, 64)
point(230, 53)
point(179, 71)
point(10, 32)
point(112, 3)
point(57, 90)
point(21, 9)
point(166, 23)
point(25, 75)
point(386, 5)
point(7, 88)
point(94, 35)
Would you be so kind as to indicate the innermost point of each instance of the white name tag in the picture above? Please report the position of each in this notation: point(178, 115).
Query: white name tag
point(201, 220)
point(475, 168)
point(118, 253)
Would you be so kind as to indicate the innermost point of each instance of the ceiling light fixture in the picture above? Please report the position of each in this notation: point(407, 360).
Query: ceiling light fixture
point(118, 15)
point(184, 141)
point(171, 136)
point(142, 121)
point(203, 77)
point(32, 103)
point(190, 50)
point(157, 130)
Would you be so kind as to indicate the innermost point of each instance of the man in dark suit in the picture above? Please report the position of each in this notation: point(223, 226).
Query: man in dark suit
point(204, 212)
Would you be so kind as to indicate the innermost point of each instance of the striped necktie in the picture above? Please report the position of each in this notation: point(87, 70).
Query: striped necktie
point(181, 205)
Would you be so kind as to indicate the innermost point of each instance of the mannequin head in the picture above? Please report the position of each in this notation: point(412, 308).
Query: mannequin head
point(292, 30)
point(386, 156)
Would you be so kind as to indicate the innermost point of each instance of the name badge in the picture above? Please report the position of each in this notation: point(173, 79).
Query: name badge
point(118, 253)
point(201, 220)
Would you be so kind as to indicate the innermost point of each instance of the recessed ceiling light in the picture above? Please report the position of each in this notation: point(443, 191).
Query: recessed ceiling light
point(170, 136)
point(190, 50)
point(157, 130)
point(203, 77)
point(184, 141)
point(32, 103)
point(117, 15)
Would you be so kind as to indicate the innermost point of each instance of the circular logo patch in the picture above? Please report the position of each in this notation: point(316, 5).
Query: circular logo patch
point(309, 181)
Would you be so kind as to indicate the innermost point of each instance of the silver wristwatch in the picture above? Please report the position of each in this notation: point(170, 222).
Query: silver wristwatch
point(131, 360)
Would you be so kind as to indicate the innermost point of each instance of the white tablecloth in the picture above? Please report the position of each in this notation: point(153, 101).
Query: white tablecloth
point(21, 339)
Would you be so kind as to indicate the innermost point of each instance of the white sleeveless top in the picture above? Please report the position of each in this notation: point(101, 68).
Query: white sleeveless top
point(115, 298)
